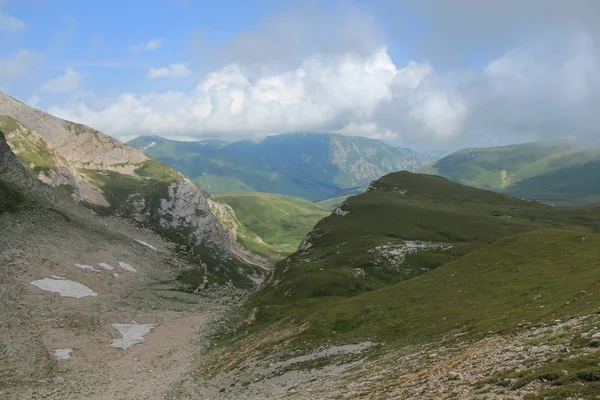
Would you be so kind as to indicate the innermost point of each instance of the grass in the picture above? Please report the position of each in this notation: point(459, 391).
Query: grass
point(506, 253)
point(31, 150)
point(533, 277)
point(483, 167)
point(574, 185)
point(279, 220)
point(405, 206)
point(157, 170)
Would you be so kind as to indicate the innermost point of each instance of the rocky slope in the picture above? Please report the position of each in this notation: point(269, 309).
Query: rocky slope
point(91, 307)
point(116, 180)
point(313, 166)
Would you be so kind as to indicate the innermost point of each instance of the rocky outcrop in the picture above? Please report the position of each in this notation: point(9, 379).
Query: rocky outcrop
point(123, 181)
point(81, 145)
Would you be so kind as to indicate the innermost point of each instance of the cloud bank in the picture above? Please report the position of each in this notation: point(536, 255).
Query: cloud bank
point(483, 73)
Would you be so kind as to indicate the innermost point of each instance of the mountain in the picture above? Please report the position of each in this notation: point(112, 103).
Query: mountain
point(422, 286)
point(553, 173)
point(90, 303)
point(308, 165)
point(113, 179)
point(281, 221)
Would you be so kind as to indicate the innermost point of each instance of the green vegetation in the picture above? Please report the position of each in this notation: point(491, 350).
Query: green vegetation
point(310, 166)
point(31, 149)
point(332, 203)
point(279, 220)
point(157, 170)
point(400, 207)
point(497, 167)
point(493, 262)
point(555, 174)
point(534, 277)
point(575, 185)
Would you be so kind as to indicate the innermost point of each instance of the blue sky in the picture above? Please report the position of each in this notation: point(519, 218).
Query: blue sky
point(424, 73)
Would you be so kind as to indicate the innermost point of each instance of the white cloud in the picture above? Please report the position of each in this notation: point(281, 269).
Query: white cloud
point(18, 65)
point(172, 71)
point(151, 45)
point(10, 23)
point(68, 82)
point(535, 91)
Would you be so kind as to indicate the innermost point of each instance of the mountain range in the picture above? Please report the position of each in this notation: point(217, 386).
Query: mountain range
point(314, 166)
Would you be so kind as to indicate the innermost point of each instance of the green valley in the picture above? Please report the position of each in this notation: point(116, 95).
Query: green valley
point(279, 220)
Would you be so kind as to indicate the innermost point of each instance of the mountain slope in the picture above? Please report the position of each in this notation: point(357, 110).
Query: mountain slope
point(425, 287)
point(403, 226)
point(568, 186)
point(75, 288)
point(556, 174)
point(115, 179)
point(279, 220)
point(498, 167)
point(308, 165)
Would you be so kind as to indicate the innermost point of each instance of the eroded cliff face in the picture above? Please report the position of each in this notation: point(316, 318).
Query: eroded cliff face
point(115, 179)
point(81, 145)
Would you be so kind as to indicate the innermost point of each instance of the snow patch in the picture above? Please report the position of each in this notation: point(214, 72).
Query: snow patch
point(146, 147)
point(62, 354)
point(131, 334)
point(127, 267)
point(64, 287)
point(88, 267)
point(106, 266)
point(146, 244)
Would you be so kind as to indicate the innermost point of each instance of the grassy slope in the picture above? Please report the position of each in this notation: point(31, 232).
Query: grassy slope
point(431, 209)
point(31, 150)
point(575, 185)
point(275, 218)
point(534, 277)
point(482, 167)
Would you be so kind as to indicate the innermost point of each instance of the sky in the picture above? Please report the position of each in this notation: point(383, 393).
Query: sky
point(426, 74)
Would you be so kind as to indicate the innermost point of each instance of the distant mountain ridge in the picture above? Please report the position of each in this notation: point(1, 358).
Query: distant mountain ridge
point(313, 166)
point(550, 172)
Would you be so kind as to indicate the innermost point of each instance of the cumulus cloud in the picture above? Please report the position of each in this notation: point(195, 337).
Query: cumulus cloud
point(531, 75)
point(18, 65)
point(174, 70)
point(150, 45)
point(69, 82)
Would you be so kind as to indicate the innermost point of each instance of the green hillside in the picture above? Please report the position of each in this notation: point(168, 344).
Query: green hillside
point(279, 220)
point(307, 165)
point(419, 262)
point(556, 174)
point(574, 185)
point(362, 250)
point(498, 167)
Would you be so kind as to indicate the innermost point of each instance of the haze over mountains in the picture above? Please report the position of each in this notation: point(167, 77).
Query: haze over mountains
point(308, 165)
